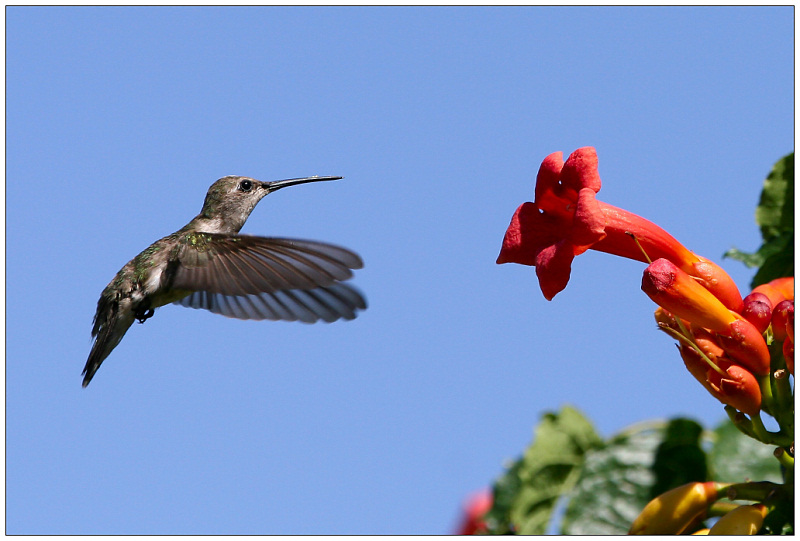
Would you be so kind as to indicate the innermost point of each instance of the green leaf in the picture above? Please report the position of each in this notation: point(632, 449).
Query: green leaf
point(618, 480)
point(777, 257)
point(775, 211)
point(775, 217)
point(750, 260)
point(498, 519)
point(735, 457)
point(551, 467)
point(604, 486)
point(679, 459)
point(780, 520)
point(548, 469)
point(614, 485)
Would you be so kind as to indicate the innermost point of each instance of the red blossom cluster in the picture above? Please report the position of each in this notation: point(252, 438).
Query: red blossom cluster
point(723, 338)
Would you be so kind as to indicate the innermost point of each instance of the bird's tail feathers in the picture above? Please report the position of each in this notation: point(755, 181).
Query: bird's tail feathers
point(109, 334)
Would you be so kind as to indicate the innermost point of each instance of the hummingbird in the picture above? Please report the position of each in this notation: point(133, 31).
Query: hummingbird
point(207, 264)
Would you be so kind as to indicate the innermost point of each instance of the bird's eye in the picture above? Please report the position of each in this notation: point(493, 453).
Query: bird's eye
point(246, 185)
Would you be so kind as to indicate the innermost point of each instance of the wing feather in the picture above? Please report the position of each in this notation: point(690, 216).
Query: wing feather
point(326, 303)
point(245, 265)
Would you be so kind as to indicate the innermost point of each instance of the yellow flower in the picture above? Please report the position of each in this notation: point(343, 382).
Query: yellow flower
point(677, 509)
point(744, 520)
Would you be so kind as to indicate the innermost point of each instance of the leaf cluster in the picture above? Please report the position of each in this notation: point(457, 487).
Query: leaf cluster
point(571, 481)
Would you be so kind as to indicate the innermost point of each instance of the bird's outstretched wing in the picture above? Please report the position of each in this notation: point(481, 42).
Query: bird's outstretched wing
point(250, 277)
point(327, 303)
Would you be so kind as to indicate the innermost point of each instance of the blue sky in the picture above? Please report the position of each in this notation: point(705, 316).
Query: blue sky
point(118, 120)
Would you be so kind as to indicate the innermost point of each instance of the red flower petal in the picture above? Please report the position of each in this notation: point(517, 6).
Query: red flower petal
point(523, 238)
point(547, 181)
point(553, 267)
point(588, 226)
point(580, 170)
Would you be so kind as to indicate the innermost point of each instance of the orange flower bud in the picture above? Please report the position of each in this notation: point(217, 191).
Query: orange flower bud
point(774, 294)
point(708, 344)
point(698, 368)
point(788, 354)
point(744, 520)
point(780, 316)
point(758, 310)
point(664, 318)
point(737, 388)
point(676, 291)
point(785, 286)
point(745, 345)
point(677, 509)
point(718, 282)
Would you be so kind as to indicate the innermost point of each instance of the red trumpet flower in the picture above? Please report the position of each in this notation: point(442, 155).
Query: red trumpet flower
point(566, 219)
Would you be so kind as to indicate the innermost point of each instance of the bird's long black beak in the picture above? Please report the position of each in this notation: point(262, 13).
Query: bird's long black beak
point(278, 184)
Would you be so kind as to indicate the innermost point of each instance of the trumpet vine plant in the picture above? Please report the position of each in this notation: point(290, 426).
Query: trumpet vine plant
point(668, 477)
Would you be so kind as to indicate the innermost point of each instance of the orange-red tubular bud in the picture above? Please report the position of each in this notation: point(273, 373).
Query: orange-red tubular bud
point(785, 286)
point(745, 345)
point(737, 388)
point(676, 510)
point(708, 344)
point(665, 319)
point(718, 282)
point(780, 317)
point(674, 290)
point(788, 354)
point(744, 520)
point(758, 310)
point(698, 368)
point(774, 294)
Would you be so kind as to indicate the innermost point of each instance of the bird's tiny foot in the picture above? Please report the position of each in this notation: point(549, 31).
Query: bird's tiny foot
point(143, 315)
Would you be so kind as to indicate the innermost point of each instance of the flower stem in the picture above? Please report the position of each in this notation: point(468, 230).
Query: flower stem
point(740, 421)
point(758, 427)
point(784, 401)
point(767, 398)
point(763, 435)
point(786, 460)
point(758, 491)
point(719, 509)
